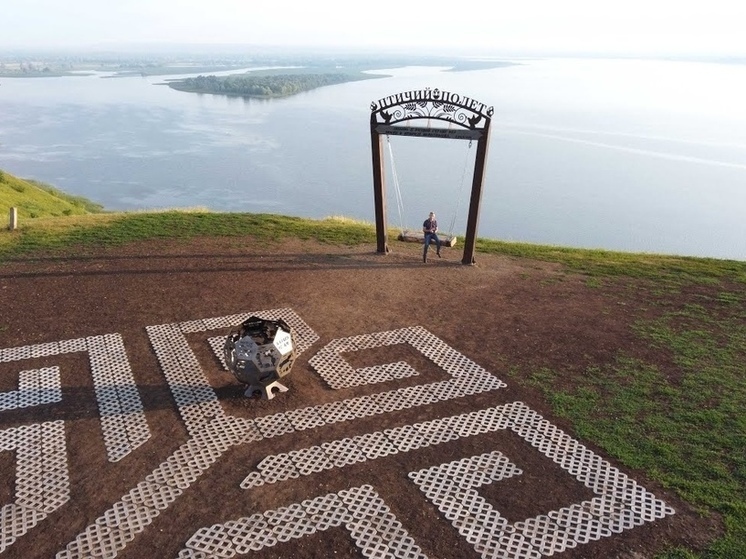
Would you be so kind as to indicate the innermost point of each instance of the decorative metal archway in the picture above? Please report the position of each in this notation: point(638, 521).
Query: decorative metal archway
point(466, 119)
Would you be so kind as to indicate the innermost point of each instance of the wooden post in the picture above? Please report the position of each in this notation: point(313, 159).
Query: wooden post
point(13, 225)
point(379, 189)
point(476, 196)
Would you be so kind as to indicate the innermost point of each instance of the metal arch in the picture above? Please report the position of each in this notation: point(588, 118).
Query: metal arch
point(467, 119)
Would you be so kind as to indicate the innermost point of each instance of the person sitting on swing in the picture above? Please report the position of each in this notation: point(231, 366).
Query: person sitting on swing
point(430, 229)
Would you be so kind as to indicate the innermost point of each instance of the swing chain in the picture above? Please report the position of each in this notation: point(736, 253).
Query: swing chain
point(397, 188)
point(461, 189)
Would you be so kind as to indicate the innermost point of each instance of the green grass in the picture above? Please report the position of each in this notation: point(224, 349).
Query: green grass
point(683, 423)
point(684, 426)
point(34, 199)
point(117, 229)
point(605, 263)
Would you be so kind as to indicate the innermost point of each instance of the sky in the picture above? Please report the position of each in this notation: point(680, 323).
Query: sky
point(663, 27)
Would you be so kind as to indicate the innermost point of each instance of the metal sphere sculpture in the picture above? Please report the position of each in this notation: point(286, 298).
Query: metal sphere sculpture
point(259, 353)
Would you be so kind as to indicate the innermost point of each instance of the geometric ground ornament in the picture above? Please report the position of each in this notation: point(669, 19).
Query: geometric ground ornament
point(453, 487)
point(620, 503)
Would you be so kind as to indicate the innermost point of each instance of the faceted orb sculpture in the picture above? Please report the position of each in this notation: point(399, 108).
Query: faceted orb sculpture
point(259, 353)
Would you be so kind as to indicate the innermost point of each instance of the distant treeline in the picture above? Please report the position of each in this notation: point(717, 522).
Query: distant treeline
point(260, 86)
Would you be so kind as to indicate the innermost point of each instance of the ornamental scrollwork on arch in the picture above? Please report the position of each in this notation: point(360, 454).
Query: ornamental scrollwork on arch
point(431, 104)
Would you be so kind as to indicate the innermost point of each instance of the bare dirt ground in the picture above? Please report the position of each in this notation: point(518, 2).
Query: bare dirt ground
point(502, 314)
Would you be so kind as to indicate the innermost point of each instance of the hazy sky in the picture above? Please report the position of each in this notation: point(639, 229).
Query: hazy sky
point(632, 26)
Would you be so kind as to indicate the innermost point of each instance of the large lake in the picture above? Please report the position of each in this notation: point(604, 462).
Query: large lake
point(631, 155)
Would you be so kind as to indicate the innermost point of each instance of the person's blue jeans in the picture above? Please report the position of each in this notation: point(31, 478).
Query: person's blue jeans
point(428, 238)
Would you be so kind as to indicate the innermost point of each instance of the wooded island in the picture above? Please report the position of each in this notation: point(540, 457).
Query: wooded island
point(278, 85)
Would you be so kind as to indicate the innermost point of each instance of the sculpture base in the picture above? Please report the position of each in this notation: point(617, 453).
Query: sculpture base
point(265, 391)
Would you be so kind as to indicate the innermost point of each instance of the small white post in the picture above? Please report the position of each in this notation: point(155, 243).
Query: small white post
point(13, 225)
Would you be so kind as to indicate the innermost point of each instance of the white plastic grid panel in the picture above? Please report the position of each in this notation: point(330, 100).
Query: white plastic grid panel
point(15, 521)
point(123, 422)
point(122, 416)
point(278, 467)
point(136, 510)
point(334, 412)
point(305, 418)
point(311, 460)
point(386, 372)
point(468, 377)
point(152, 495)
point(621, 503)
point(375, 445)
point(370, 446)
point(217, 343)
point(29, 351)
point(371, 525)
point(274, 425)
point(42, 482)
point(195, 399)
point(343, 452)
point(36, 387)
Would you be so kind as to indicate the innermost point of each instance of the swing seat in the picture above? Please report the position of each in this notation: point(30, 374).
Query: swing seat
point(419, 237)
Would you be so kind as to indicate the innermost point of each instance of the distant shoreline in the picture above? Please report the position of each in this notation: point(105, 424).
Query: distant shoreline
point(116, 73)
point(354, 66)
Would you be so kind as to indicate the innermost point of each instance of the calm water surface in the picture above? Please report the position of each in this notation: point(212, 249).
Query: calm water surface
point(619, 154)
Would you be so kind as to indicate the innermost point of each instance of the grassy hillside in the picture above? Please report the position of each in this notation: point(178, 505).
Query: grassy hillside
point(35, 199)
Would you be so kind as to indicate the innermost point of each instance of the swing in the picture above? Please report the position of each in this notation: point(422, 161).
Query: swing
point(414, 236)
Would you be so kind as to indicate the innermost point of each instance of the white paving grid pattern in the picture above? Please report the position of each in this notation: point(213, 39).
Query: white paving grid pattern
point(122, 418)
point(212, 432)
point(42, 482)
point(123, 422)
point(338, 373)
point(362, 512)
point(621, 503)
point(36, 387)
